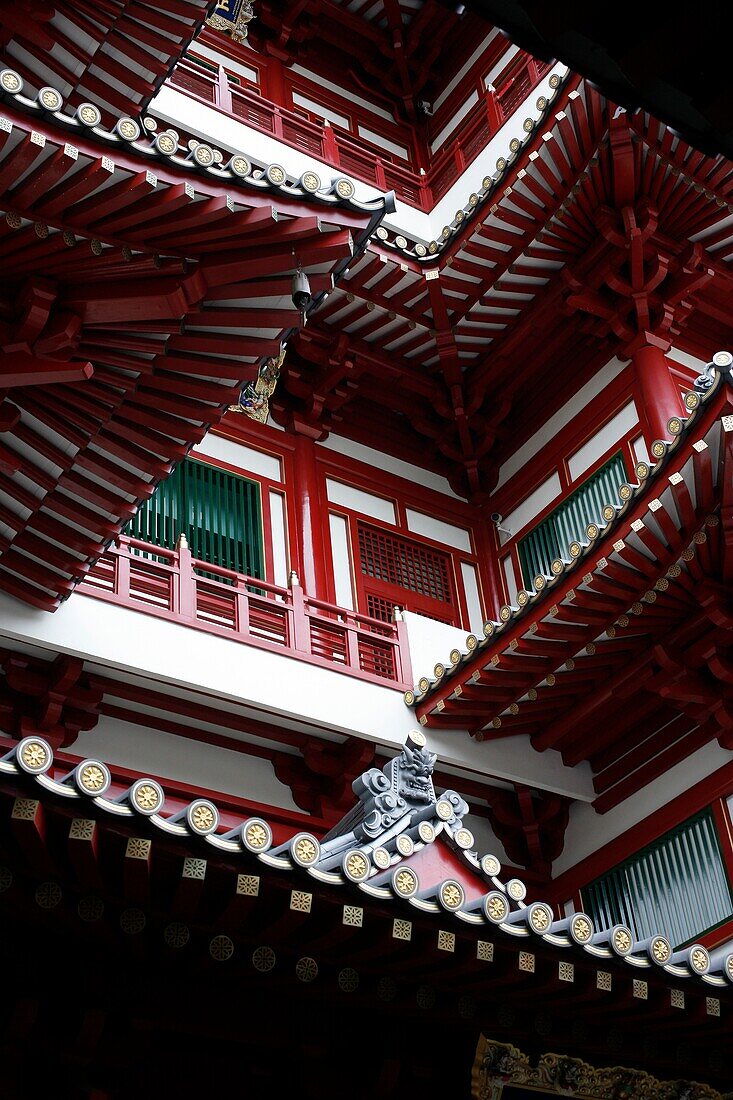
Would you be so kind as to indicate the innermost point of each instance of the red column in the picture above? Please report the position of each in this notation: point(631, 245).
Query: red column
point(312, 538)
point(657, 394)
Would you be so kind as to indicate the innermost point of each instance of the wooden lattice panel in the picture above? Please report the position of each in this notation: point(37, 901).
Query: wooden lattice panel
point(404, 564)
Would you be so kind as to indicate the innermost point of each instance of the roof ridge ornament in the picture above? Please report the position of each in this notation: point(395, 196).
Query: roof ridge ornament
point(721, 364)
point(402, 788)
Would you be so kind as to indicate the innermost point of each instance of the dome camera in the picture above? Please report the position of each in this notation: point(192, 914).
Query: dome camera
point(301, 292)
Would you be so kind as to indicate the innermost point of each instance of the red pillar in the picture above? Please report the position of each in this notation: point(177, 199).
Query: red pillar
point(311, 521)
point(657, 394)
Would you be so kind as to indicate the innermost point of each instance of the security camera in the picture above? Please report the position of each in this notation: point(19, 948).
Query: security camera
point(425, 107)
point(496, 519)
point(301, 292)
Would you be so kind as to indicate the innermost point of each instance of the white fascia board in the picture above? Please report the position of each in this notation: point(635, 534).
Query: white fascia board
point(284, 687)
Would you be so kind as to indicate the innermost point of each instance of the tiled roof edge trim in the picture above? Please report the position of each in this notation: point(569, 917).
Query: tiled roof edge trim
point(207, 161)
point(706, 385)
point(377, 870)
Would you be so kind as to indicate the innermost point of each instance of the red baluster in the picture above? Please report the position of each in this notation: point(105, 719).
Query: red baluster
point(186, 587)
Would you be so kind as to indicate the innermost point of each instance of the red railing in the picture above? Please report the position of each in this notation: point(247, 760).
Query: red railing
point(173, 585)
point(353, 156)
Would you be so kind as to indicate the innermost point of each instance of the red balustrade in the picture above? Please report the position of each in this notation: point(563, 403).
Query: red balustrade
point(173, 585)
point(354, 157)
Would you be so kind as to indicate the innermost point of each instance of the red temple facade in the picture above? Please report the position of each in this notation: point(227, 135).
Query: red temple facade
point(366, 535)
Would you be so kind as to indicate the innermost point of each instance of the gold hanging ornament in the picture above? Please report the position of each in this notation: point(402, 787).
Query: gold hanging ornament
point(254, 400)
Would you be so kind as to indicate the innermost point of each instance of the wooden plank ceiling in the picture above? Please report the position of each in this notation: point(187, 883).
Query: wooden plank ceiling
point(246, 927)
point(621, 658)
point(146, 282)
point(597, 226)
point(115, 53)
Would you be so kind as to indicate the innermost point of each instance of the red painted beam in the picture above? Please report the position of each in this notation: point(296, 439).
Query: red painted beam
point(19, 369)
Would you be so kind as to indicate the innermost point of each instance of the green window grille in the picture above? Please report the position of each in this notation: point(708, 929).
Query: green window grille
point(567, 523)
point(677, 886)
point(218, 512)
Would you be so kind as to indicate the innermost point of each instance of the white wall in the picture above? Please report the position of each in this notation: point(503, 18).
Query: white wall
point(532, 505)
point(182, 759)
point(588, 831)
point(281, 688)
point(552, 427)
point(243, 458)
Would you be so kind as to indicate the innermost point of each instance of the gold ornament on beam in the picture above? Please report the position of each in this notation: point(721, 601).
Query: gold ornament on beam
point(254, 400)
point(232, 17)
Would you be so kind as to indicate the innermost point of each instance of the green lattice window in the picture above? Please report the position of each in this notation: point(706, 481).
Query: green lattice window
point(567, 523)
point(218, 512)
point(677, 886)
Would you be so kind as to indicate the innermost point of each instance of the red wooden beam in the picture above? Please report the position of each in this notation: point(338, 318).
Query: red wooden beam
point(19, 369)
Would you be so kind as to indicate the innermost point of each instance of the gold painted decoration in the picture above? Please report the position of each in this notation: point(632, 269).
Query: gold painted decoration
point(263, 959)
point(146, 796)
point(50, 99)
point(92, 777)
point(451, 894)
point(305, 849)
point(621, 939)
point(404, 882)
point(240, 166)
point(10, 81)
point(490, 865)
point(34, 755)
point(310, 182)
point(165, 143)
point(344, 189)
point(254, 400)
point(128, 129)
point(202, 817)
point(256, 835)
point(306, 969)
point(500, 1064)
point(444, 810)
point(89, 114)
point(516, 889)
point(496, 907)
point(405, 845)
point(699, 959)
point(48, 895)
point(581, 928)
point(540, 917)
point(660, 950)
point(221, 948)
point(232, 17)
point(176, 935)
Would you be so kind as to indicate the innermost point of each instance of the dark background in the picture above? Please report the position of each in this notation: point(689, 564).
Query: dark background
point(673, 60)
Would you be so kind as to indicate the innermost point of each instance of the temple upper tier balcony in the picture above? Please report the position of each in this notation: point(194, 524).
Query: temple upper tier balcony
point(174, 585)
point(420, 163)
